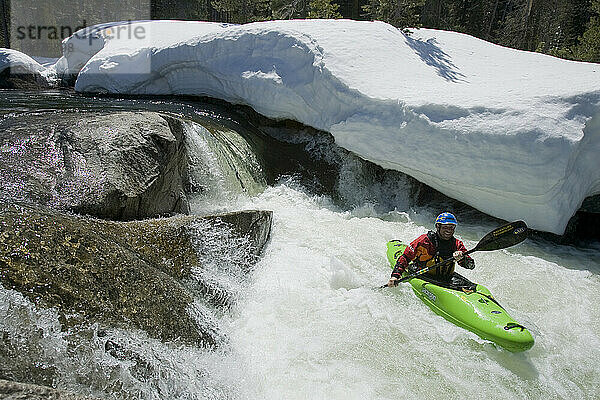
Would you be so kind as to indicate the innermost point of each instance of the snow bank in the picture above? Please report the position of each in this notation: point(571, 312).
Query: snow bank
point(19, 63)
point(514, 134)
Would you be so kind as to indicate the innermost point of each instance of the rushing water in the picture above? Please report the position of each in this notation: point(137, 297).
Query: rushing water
point(312, 326)
point(311, 323)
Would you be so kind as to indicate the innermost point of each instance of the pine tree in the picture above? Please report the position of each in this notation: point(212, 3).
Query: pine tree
point(515, 25)
point(475, 17)
point(400, 13)
point(323, 9)
point(288, 9)
point(588, 48)
point(549, 26)
point(243, 11)
point(181, 9)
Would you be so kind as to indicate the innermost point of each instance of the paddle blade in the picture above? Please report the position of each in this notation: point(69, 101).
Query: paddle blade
point(503, 237)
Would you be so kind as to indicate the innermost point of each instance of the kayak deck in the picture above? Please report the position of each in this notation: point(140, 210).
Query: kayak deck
point(471, 307)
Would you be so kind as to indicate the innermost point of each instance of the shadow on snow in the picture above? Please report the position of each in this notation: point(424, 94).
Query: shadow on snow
point(432, 55)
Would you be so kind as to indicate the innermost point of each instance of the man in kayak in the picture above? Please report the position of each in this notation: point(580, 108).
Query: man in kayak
point(433, 247)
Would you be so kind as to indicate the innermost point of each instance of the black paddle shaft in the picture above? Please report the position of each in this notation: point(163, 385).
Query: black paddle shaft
point(500, 238)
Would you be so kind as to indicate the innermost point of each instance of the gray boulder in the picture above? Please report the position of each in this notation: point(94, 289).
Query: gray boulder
point(120, 166)
point(118, 274)
point(23, 391)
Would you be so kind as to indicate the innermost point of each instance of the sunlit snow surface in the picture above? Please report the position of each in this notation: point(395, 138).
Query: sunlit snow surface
point(512, 133)
point(19, 63)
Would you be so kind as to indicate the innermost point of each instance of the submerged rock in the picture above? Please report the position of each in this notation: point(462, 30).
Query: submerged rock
point(23, 391)
point(120, 166)
point(171, 243)
point(222, 163)
point(118, 274)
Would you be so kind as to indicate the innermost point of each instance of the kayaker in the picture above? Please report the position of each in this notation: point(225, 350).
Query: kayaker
point(433, 247)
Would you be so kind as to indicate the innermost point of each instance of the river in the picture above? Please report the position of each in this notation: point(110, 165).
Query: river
point(310, 322)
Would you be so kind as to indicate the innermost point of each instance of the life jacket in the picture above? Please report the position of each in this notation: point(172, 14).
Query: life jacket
point(443, 250)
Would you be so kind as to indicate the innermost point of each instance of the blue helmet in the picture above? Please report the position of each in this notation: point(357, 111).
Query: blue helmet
point(446, 218)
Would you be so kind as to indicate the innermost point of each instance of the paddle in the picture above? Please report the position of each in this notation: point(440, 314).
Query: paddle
point(500, 238)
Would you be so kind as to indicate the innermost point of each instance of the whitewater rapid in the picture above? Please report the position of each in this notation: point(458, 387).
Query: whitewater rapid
point(312, 325)
point(309, 321)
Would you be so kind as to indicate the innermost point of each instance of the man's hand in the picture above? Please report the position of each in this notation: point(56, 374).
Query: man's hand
point(465, 262)
point(458, 255)
point(393, 282)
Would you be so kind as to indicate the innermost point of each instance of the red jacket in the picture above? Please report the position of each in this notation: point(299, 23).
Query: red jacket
point(424, 252)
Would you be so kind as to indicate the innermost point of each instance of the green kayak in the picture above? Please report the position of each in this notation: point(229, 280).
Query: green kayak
point(470, 306)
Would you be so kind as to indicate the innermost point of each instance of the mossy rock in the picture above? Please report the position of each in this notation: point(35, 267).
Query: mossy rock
point(114, 273)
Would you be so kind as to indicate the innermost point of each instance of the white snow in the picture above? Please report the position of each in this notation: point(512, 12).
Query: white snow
point(19, 63)
point(514, 134)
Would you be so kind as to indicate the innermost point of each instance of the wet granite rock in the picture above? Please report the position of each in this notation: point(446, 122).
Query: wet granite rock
point(591, 204)
point(118, 274)
point(23, 391)
point(24, 81)
point(170, 243)
point(119, 166)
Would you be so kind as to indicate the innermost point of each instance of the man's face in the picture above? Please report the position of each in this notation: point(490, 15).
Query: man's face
point(446, 231)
